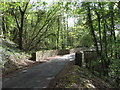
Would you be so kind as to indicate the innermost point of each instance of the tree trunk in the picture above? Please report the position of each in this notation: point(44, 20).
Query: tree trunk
point(21, 31)
point(4, 26)
point(58, 32)
point(22, 12)
point(92, 29)
point(67, 32)
point(113, 37)
point(99, 29)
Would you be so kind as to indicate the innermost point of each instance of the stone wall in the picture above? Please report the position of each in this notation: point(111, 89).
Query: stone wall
point(40, 55)
point(75, 50)
point(90, 56)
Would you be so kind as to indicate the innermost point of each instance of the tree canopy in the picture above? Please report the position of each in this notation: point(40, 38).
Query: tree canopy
point(36, 26)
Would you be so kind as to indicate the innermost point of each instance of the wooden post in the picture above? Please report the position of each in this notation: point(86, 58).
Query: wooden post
point(78, 59)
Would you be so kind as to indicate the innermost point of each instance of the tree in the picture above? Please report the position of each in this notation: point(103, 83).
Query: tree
point(20, 25)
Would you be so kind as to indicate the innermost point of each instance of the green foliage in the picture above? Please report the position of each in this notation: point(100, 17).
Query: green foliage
point(115, 67)
point(47, 27)
point(86, 40)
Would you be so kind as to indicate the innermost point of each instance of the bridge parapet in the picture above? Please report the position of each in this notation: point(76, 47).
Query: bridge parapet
point(85, 57)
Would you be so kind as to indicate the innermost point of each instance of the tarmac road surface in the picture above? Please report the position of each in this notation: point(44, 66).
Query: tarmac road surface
point(38, 76)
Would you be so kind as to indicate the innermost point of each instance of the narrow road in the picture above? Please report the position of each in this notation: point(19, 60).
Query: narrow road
point(38, 76)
